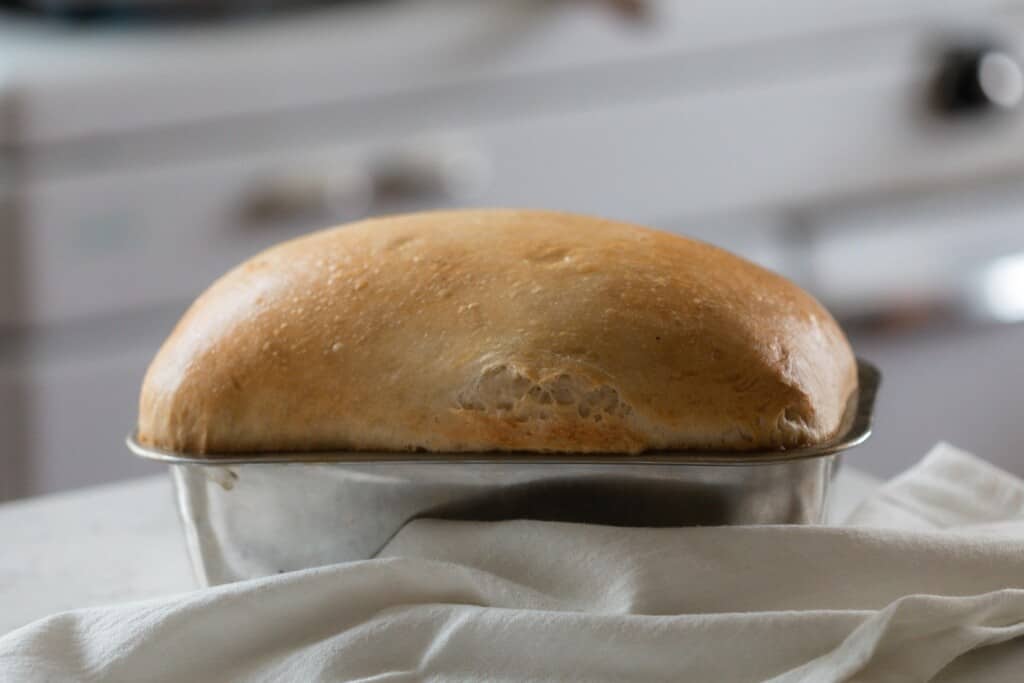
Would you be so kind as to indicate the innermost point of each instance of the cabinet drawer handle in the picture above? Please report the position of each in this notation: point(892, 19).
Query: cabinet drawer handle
point(392, 179)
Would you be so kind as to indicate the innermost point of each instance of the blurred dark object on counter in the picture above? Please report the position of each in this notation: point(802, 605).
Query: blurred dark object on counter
point(162, 12)
point(983, 78)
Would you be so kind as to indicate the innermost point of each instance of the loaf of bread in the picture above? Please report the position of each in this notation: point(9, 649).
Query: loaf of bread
point(483, 330)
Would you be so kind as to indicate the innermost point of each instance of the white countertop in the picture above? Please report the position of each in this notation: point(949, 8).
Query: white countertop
point(98, 545)
point(122, 542)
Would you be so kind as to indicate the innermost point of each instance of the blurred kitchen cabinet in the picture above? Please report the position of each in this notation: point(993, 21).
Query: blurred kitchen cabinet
point(960, 386)
point(74, 412)
point(139, 163)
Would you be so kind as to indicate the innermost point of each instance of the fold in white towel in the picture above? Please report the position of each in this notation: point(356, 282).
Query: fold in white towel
point(547, 601)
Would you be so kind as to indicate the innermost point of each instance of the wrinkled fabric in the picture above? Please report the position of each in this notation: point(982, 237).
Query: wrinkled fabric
point(926, 579)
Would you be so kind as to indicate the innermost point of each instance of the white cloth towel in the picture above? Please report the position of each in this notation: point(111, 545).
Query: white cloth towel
point(918, 582)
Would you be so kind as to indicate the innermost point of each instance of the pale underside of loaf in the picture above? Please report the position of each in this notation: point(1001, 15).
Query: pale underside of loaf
point(497, 330)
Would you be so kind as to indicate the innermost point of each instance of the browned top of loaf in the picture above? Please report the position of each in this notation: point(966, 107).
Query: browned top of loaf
point(497, 330)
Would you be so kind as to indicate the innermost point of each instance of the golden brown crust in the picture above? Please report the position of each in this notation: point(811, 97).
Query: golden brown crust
point(497, 330)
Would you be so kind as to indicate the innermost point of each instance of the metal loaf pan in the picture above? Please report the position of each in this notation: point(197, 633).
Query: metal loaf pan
point(258, 514)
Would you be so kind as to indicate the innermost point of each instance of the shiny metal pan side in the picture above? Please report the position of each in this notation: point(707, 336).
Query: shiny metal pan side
point(245, 521)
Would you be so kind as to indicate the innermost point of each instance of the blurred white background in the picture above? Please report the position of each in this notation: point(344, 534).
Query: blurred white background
point(873, 151)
